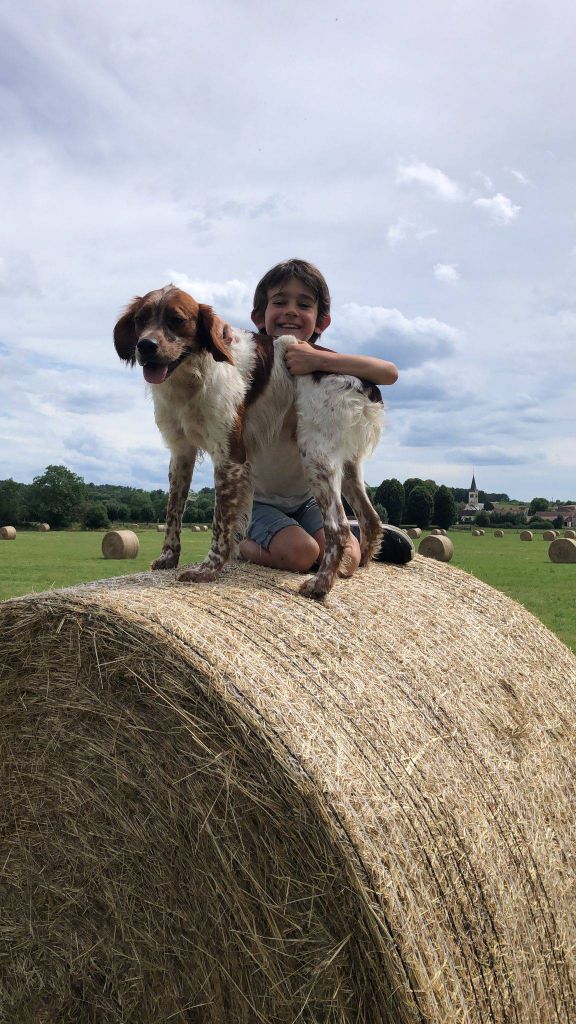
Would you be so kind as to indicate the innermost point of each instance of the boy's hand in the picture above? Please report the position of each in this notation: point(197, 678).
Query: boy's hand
point(302, 358)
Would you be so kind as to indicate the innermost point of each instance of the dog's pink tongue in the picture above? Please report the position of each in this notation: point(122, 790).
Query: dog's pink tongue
point(154, 374)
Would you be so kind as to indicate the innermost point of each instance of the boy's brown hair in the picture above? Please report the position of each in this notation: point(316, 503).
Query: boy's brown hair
point(305, 272)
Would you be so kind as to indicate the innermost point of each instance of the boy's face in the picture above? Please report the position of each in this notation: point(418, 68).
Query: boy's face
point(291, 309)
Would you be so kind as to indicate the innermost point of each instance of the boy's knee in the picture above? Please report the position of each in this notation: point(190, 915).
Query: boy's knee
point(296, 554)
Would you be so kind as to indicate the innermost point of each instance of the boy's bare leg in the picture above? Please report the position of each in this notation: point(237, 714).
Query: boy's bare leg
point(292, 549)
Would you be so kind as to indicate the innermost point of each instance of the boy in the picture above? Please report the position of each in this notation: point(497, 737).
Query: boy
point(286, 530)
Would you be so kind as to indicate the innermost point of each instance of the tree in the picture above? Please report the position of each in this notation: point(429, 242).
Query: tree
point(56, 496)
point(558, 523)
point(141, 508)
point(538, 505)
point(12, 508)
point(444, 508)
point(482, 519)
point(488, 506)
point(381, 512)
point(94, 516)
point(420, 507)
point(390, 494)
point(410, 484)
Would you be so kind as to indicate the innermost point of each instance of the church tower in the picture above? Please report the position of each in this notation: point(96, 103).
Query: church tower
point(473, 492)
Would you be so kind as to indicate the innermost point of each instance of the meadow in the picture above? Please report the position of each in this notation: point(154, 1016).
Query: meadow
point(42, 561)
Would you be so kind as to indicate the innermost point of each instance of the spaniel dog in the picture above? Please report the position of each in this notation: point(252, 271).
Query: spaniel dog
point(227, 391)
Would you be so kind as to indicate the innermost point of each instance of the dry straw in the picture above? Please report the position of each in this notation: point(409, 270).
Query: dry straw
point(476, 533)
point(160, 527)
point(120, 544)
point(526, 535)
point(224, 804)
point(549, 535)
point(571, 534)
point(563, 549)
point(7, 533)
point(414, 531)
point(43, 527)
point(498, 533)
point(437, 547)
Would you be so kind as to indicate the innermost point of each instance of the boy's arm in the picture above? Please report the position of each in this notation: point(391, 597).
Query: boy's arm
point(306, 358)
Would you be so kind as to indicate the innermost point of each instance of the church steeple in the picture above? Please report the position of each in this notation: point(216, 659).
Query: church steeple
point(473, 492)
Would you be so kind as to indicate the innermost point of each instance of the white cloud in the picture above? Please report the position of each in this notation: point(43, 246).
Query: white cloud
point(446, 272)
point(433, 179)
point(521, 178)
point(231, 299)
point(391, 335)
point(501, 209)
point(404, 230)
point(485, 180)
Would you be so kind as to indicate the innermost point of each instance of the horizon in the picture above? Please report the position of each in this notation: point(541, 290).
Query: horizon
point(427, 168)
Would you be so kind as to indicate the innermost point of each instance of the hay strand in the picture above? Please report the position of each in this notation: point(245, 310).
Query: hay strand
point(563, 549)
point(120, 544)
point(7, 533)
point(440, 548)
point(226, 805)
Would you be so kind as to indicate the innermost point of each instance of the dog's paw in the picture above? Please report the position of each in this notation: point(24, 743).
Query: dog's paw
point(167, 560)
point(199, 574)
point(315, 588)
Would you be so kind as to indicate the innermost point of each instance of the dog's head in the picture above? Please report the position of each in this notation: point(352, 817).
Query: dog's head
point(165, 327)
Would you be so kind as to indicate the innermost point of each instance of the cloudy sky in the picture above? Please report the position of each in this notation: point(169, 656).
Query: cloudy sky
point(423, 154)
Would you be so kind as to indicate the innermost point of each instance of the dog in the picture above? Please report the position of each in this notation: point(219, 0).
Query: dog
point(227, 392)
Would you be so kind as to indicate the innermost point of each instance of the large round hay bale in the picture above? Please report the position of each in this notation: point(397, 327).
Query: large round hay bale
point(563, 549)
point(437, 547)
point(548, 535)
point(498, 533)
point(120, 544)
point(205, 528)
point(526, 535)
point(435, 532)
point(43, 527)
point(476, 533)
point(195, 528)
point(414, 531)
point(161, 527)
point(7, 533)
point(571, 534)
point(224, 796)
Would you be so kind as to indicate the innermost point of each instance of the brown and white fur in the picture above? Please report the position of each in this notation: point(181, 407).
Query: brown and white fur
point(227, 392)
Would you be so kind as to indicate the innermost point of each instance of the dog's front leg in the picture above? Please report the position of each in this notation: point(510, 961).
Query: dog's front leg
point(180, 478)
point(233, 486)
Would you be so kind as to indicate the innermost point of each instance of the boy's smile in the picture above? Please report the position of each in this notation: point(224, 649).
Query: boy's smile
point(291, 309)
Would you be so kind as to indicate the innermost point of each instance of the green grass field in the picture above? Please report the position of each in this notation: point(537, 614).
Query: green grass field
point(41, 561)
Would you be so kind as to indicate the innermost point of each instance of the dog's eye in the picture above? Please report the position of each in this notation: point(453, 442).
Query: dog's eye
point(175, 320)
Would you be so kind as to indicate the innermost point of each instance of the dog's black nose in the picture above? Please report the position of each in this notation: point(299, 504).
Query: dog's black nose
point(147, 346)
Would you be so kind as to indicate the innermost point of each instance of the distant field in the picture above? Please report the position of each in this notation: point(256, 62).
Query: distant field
point(42, 561)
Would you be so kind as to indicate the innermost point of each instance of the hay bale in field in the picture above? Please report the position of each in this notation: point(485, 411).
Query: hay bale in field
point(498, 533)
point(7, 533)
point(563, 549)
point(161, 527)
point(476, 533)
point(120, 544)
point(444, 533)
point(43, 527)
point(414, 531)
point(435, 532)
point(526, 535)
point(227, 797)
point(571, 534)
point(549, 535)
point(195, 528)
point(437, 547)
point(205, 528)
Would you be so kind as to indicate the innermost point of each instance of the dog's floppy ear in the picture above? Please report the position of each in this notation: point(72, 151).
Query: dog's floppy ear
point(211, 334)
point(125, 333)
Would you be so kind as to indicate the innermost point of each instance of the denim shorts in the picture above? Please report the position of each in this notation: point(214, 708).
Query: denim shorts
point(267, 520)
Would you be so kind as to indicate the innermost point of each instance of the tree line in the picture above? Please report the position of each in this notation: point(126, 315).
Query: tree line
point(62, 498)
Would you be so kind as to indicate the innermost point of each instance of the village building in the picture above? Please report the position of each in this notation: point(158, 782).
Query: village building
point(471, 510)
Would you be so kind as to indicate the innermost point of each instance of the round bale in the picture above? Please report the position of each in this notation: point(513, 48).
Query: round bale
point(120, 544)
point(435, 532)
point(205, 528)
point(7, 533)
point(498, 533)
point(563, 549)
point(476, 533)
point(571, 534)
point(161, 527)
point(414, 531)
point(526, 535)
point(548, 535)
point(357, 811)
point(43, 527)
point(437, 547)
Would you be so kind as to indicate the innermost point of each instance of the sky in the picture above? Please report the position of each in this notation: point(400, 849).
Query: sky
point(422, 154)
